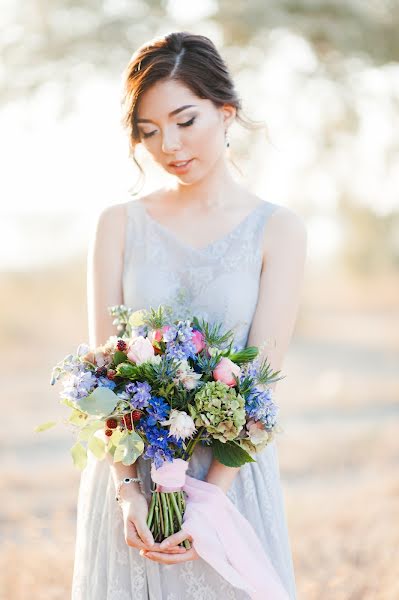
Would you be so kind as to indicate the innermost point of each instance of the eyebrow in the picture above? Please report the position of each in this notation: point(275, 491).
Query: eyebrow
point(174, 112)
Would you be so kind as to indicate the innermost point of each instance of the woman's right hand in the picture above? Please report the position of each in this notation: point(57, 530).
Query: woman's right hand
point(137, 533)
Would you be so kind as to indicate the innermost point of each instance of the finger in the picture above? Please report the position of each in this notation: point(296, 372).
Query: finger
point(170, 559)
point(174, 550)
point(175, 539)
point(132, 538)
point(144, 533)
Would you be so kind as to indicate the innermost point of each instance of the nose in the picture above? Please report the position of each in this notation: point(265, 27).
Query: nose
point(170, 143)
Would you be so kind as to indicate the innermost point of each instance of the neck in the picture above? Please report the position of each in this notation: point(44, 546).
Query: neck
point(216, 190)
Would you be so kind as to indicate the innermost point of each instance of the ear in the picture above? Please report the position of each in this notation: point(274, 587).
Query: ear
point(228, 114)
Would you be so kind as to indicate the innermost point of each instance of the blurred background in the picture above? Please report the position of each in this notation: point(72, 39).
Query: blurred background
point(324, 76)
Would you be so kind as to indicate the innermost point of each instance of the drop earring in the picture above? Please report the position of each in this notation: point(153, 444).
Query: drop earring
point(226, 137)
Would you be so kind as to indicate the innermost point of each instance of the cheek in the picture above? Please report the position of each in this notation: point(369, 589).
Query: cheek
point(208, 139)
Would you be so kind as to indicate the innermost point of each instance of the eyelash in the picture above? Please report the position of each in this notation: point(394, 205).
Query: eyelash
point(186, 124)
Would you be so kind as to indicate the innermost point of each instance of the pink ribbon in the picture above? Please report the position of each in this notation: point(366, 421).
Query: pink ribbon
point(171, 476)
point(221, 535)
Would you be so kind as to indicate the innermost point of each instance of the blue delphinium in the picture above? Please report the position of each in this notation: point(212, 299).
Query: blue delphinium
point(260, 407)
point(157, 449)
point(170, 334)
point(78, 385)
point(105, 382)
point(141, 392)
point(158, 454)
point(157, 410)
point(251, 370)
point(179, 344)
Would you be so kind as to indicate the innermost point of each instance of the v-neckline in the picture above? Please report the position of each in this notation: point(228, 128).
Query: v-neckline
point(180, 242)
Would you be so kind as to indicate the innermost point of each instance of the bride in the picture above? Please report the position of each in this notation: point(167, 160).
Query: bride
point(208, 246)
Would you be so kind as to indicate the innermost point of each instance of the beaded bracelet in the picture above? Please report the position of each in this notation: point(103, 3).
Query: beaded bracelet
point(121, 482)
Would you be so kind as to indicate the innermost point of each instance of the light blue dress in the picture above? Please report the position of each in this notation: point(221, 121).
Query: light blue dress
point(218, 282)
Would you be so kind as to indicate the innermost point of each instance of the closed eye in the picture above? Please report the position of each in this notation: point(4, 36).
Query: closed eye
point(186, 124)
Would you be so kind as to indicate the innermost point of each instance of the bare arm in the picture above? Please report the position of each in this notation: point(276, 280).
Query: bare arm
point(285, 245)
point(104, 289)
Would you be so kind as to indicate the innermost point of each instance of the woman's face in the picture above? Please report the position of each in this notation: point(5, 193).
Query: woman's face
point(175, 125)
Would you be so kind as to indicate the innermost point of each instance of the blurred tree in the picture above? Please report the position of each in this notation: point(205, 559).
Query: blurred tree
point(59, 44)
point(63, 41)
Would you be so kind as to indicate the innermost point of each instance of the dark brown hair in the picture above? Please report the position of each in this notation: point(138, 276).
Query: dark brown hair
point(185, 57)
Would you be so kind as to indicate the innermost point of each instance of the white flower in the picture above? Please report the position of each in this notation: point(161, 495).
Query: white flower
point(82, 349)
point(110, 344)
point(186, 375)
point(140, 350)
point(257, 433)
point(181, 424)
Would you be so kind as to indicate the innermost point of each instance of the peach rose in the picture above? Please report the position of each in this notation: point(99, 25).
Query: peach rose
point(198, 340)
point(225, 370)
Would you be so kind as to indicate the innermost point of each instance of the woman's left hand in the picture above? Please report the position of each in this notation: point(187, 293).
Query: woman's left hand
point(172, 542)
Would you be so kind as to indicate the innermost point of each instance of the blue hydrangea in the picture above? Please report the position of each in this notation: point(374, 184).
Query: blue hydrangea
point(260, 407)
point(141, 392)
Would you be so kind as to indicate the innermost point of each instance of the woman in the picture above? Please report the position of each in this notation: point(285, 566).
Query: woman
point(207, 246)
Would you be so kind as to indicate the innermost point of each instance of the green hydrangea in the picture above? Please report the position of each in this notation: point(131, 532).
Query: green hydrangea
point(219, 409)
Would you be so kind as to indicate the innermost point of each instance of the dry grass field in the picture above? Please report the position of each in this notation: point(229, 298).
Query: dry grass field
point(339, 452)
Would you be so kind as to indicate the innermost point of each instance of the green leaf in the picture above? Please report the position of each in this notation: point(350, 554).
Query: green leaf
point(130, 447)
point(245, 355)
point(77, 417)
point(125, 369)
point(79, 455)
point(119, 357)
point(89, 430)
point(44, 426)
point(97, 447)
point(102, 401)
point(230, 454)
point(116, 436)
point(68, 402)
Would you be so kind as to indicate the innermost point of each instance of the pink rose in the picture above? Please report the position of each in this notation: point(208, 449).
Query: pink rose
point(157, 335)
point(225, 370)
point(140, 350)
point(198, 340)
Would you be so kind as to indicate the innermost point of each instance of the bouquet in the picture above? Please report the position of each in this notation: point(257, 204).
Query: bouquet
point(156, 390)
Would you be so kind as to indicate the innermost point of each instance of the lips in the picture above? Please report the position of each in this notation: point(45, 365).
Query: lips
point(180, 163)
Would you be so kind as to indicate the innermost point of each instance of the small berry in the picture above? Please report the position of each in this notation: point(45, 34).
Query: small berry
point(101, 372)
point(111, 423)
point(108, 432)
point(111, 373)
point(136, 415)
point(121, 345)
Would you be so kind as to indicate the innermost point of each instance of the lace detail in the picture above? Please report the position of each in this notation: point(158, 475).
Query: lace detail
point(220, 283)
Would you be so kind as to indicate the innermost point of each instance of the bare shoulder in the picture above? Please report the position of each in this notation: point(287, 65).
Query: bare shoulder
point(285, 228)
point(108, 233)
point(112, 215)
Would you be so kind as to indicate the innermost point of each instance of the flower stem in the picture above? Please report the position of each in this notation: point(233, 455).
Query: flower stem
point(151, 511)
point(170, 511)
point(192, 443)
point(165, 515)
